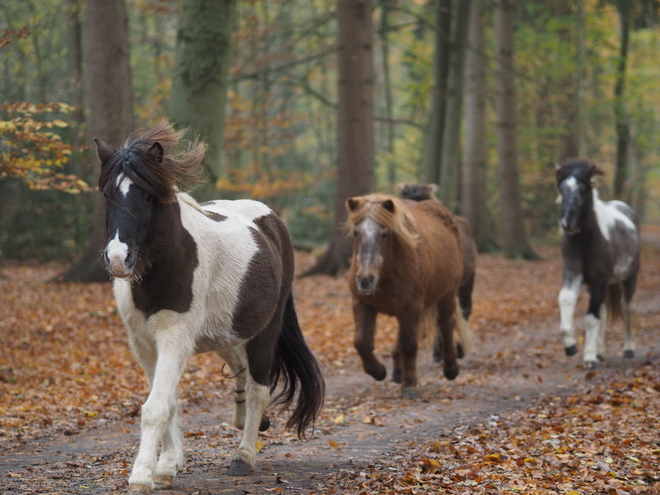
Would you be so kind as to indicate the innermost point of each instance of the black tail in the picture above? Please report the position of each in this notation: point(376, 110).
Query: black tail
point(299, 369)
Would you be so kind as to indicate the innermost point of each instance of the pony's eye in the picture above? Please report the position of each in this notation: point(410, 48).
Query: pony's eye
point(383, 234)
point(148, 200)
point(355, 233)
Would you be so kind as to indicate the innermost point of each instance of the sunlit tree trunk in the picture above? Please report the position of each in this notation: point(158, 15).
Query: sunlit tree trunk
point(109, 85)
point(434, 133)
point(474, 194)
point(355, 145)
point(512, 228)
point(201, 78)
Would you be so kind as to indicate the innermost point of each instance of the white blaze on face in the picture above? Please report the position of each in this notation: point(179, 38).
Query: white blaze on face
point(116, 250)
point(370, 256)
point(124, 183)
point(572, 183)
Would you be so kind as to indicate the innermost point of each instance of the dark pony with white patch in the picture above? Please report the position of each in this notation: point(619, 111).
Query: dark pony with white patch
point(191, 278)
point(424, 192)
point(600, 248)
point(406, 262)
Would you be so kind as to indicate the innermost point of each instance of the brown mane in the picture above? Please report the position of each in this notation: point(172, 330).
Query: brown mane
point(397, 220)
point(159, 176)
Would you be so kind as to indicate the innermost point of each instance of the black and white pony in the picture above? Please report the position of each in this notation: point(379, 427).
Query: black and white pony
point(600, 248)
point(191, 278)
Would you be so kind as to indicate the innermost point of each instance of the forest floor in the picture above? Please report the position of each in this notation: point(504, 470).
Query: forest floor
point(520, 418)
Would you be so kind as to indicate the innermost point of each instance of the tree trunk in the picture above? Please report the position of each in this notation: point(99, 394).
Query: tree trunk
point(201, 78)
point(389, 97)
point(434, 133)
point(111, 110)
point(513, 236)
point(355, 145)
point(620, 118)
point(474, 194)
point(450, 157)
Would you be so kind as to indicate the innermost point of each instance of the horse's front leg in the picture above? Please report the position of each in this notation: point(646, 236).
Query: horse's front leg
point(160, 420)
point(568, 297)
point(628, 287)
point(406, 351)
point(593, 323)
point(365, 326)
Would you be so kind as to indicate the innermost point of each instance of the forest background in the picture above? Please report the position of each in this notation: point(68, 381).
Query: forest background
point(280, 133)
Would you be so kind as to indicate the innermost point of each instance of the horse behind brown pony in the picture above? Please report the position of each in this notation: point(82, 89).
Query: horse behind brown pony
point(406, 262)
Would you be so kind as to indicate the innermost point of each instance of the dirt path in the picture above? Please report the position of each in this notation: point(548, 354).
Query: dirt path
point(508, 371)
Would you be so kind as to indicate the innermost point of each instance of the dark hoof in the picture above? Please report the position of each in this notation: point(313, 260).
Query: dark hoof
point(239, 468)
point(571, 350)
point(451, 372)
point(460, 351)
point(600, 358)
point(590, 365)
point(140, 489)
point(396, 375)
point(163, 481)
point(265, 423)
point(409, 393)
point(380, 376)
point(629, 354)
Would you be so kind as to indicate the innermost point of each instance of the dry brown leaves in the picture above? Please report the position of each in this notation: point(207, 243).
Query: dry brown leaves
point(65, 365)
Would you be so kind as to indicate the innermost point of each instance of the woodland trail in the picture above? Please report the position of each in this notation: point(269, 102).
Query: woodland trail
point(364, 423)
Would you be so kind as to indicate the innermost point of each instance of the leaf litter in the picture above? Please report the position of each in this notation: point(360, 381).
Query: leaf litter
point(66, 368)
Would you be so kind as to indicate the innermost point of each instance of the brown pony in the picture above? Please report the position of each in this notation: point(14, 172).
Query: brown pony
point(422, 192)
point(406, 261)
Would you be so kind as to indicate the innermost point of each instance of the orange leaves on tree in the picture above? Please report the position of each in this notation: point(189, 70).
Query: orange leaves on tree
point(32, 151)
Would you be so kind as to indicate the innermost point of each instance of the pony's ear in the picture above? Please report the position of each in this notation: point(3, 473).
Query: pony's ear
point(388, 204)
point(353, 203)
point(156, 152)
point(103, 150)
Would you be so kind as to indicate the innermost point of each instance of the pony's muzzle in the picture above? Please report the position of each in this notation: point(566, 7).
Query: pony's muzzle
point(365, 284)
point(120, 265)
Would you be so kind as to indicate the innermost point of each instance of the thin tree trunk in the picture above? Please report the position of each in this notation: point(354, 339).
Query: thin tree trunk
point(201, 78)
point(111, 118)
point(355, 145)
point(620, 118)
point(450, 156)
point(389, 97)
point(513, 236)
point(473, 200)
point(435, 131)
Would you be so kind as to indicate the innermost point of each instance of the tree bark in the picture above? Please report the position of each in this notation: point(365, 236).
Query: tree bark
point(474, 193)
point(620, 118)
point(450, 156)
point(355, 145)
point(433, 143)
point(389, 97)
point(201, 78)
point(513, 236)
point(110, 89)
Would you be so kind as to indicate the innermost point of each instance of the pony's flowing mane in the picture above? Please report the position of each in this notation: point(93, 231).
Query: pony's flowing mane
point(397, 220)
point(160, 178)
point(583, 170)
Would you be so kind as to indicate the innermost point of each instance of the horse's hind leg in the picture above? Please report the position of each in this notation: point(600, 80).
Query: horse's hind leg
point(363, 340)
point(628, 313)
point(250, 365)
point(447, 323)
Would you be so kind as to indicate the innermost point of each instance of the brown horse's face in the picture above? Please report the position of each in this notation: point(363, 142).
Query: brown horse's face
point(370, 241)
